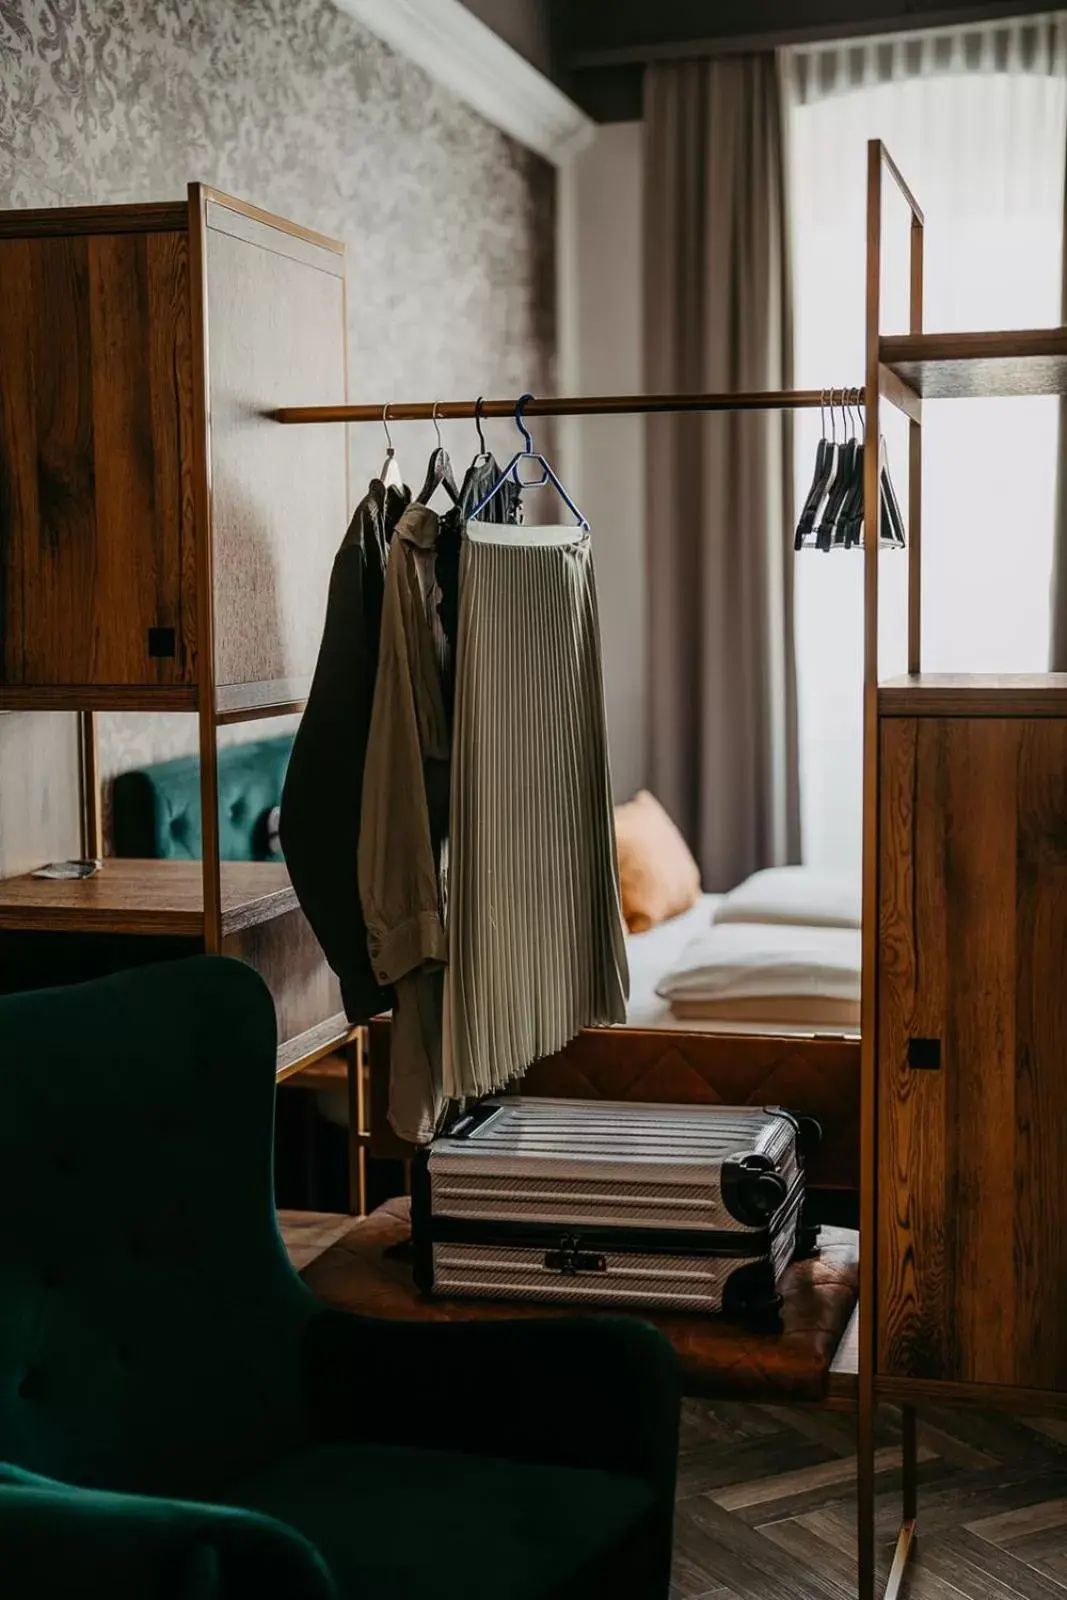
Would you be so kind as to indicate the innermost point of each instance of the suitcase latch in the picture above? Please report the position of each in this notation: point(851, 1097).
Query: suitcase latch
point(570, 1259)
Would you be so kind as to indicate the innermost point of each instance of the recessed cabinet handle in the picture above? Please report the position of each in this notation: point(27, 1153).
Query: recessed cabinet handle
point(924, 1054)
point(161, 643)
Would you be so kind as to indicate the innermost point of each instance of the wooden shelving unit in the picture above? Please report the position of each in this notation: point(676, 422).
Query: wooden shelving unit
point(958, 366)
point(146, 897)
point(964, 1026)
point(935, 694)
point(165, 547)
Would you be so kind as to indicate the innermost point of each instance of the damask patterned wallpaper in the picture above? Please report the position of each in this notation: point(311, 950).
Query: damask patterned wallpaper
point(290, 104)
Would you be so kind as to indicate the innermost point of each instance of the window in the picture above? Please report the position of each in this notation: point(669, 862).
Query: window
point(984, 153)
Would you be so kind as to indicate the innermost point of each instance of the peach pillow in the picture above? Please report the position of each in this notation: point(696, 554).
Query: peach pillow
point(657, 874)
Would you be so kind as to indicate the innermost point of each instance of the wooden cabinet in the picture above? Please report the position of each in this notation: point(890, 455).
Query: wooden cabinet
point(159, 532)
point(972, 1066)
point(97, 567)
point(164, 546)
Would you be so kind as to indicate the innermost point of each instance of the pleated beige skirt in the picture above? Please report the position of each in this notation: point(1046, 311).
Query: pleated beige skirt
point(535, 934)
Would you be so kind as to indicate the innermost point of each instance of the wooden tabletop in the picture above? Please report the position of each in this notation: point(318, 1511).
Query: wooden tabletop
point(146, 897)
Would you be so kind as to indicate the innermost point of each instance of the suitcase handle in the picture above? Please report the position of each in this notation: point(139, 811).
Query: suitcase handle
point(752, 1190)
point(570, 1259)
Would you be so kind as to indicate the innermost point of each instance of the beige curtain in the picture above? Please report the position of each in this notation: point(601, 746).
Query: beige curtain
point(722, 683)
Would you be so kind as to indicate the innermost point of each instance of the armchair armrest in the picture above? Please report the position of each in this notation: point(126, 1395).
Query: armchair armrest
point(577, 1391)
point(58, 1540)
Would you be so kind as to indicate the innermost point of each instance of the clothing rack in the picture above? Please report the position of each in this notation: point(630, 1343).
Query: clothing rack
point(588, 405)
point(899, 369)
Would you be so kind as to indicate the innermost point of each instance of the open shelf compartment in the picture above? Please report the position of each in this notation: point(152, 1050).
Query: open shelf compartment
point(956, 366)
point(146, 897)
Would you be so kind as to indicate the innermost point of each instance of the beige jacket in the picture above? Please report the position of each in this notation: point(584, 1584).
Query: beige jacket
point(404, 826)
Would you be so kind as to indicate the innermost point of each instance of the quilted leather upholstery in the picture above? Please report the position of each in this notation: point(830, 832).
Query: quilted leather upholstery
point(156, 810)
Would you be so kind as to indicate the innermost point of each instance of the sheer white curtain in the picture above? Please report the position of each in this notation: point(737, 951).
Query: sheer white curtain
point(984, 153)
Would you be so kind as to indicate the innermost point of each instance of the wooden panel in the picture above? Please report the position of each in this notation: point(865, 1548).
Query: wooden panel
point(289, 958)
point(159, 217)
point(1015, 1397)
point(130, 896)
point(99, 697)
point(1040, 1166)
point(96, 510)
point(911, 1167)
point(276, 332)
point(972, 1248)
point(938, 694)
point(964, 365)
point(311, 1046)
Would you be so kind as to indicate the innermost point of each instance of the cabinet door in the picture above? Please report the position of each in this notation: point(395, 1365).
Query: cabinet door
point(972, 1152)
point(97, 573)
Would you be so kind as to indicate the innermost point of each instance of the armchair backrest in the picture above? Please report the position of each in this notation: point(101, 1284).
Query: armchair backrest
point(150, 1322)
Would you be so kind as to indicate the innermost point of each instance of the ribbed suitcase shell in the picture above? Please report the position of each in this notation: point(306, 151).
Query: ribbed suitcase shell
point(610, 1203)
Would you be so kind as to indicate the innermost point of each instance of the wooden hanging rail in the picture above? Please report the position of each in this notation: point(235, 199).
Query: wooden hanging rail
point(572, 406)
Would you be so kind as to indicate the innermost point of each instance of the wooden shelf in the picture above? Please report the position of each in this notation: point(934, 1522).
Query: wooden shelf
point(315, 1048)
point(146, 897)
point(934, 694)
point(274, 697)
point(99, 697)
point(956, 366)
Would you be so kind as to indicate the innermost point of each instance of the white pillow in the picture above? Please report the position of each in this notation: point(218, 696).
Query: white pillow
point(735, 964)
point(798, 895)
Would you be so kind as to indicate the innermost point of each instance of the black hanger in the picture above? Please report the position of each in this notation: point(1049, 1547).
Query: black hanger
point(850, 517)
point(892, 521)
point(840, 482)
point(849, 530)
point(825, 458)
point(439, 471)
point(833, 531)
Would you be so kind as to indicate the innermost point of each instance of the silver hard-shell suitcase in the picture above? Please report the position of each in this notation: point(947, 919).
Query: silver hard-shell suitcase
point(688, 1208)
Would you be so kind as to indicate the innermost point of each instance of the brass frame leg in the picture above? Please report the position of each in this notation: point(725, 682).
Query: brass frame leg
point(357, 1158)
point(865, 1501)
point(906, 1536)
point(865, 1496)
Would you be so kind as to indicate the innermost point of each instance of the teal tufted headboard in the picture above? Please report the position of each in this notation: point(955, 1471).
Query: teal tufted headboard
point(156, 811)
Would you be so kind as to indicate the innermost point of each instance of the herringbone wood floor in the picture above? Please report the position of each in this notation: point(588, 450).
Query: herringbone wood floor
point(766, 1505)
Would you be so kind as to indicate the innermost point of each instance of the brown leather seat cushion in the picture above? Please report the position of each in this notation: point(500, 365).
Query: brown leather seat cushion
point(361, 1273)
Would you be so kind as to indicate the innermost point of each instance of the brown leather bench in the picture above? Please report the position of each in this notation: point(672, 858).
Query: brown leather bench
point(367, 1271)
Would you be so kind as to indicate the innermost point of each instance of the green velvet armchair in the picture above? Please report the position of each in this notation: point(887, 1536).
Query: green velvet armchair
point(180, 1418)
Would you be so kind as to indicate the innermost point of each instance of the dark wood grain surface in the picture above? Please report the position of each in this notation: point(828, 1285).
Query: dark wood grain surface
point(150, 897)
point(972, 1229)
point(155, 217)
point(955, 366)
point(972, 694)
point(289, 958)
point(96, 505)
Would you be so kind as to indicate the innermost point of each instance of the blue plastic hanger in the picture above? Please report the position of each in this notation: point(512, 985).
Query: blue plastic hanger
point(528, 453)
